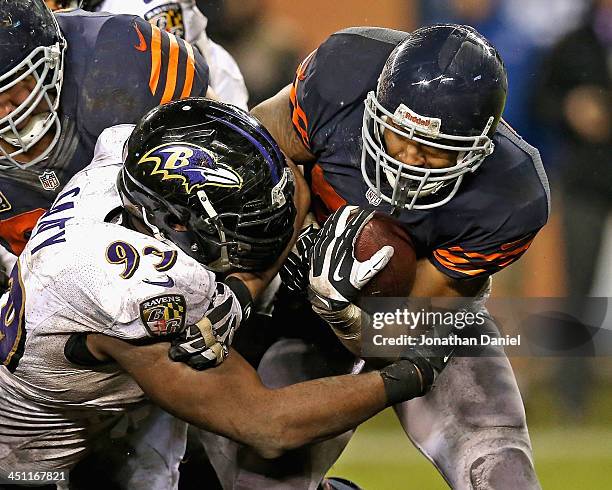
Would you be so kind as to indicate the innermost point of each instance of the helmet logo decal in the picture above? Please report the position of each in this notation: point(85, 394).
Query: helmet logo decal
point(405, 117)
point(194, 166)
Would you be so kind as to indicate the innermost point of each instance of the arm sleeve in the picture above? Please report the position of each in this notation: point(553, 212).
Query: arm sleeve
point(317, 98)
point(301, 98)
point(334, 80)
point(470, 261)
point(135, 67)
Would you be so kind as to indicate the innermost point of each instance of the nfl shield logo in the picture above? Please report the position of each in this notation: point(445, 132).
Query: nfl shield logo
point(372, 198)
point(49, 180)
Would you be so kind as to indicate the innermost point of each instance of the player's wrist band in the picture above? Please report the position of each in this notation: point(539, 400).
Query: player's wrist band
point(402, 380)
point(242, 293)
point(346, 323)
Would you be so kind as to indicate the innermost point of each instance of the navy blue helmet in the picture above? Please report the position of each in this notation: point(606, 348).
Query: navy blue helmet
point(215, 170)
point(444, 86)
point(31, 49)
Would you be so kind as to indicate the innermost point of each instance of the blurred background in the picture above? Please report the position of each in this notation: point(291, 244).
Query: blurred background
point(559, 59)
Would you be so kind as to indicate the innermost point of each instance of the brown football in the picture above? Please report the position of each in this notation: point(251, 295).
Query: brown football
point(397, 277)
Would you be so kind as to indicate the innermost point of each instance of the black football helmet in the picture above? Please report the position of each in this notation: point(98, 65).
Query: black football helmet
point(444, 86)
point(216, 170)
point(31, 45)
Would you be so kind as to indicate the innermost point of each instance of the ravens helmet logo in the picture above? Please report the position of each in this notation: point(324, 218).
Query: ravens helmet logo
point(194, 166)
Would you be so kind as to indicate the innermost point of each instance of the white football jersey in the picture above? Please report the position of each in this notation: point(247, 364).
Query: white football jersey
point(184, 19)
point(79, 274)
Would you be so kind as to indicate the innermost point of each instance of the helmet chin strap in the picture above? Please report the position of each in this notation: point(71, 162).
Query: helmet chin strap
point(222, 264)
point(401, 199)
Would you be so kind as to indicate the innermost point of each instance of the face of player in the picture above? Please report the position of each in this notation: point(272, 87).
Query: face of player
point(412, 153)
point(15, 96)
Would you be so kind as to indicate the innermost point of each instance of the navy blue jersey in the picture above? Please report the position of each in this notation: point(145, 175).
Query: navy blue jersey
point(490, 222)
point(116, 68)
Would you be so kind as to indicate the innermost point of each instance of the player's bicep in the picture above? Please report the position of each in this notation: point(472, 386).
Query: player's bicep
point(217, 399)
point(276, 115)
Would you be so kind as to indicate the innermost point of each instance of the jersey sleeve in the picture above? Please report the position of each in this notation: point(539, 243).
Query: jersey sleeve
point(470, 261)
point(136, 66)
point(110, 144)
point(167, 292)
point(300, 98)
point(323, 89)
point(335, 78)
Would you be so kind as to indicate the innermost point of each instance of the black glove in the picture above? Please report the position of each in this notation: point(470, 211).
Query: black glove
point(414, 374)
point(294, 272)
point(336, 276)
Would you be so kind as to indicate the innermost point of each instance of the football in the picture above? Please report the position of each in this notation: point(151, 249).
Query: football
point(397, 277)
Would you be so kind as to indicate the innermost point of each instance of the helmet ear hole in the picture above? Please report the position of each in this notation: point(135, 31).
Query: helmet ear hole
point(173, 221)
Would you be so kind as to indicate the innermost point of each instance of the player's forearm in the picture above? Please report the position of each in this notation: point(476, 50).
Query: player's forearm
point(231, 400)
point(307, 412)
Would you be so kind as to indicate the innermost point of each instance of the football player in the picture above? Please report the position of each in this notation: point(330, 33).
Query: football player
point(185, 20)
point(65, 78)
point(410, 124)
point(130, 255)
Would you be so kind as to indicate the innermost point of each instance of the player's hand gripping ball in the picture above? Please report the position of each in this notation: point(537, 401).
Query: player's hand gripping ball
point(396, 279)
point(336, 275)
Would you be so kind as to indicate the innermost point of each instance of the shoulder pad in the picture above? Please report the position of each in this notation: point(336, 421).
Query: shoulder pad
point(111, 142)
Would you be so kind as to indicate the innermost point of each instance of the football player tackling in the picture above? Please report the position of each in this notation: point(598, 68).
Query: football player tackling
point(130, 256)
